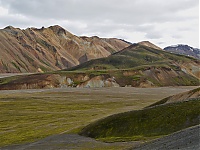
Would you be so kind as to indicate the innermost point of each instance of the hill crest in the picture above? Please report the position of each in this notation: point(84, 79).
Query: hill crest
point(149, 44)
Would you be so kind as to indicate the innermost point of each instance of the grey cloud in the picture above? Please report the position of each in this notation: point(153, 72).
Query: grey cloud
point(153, 35)
point(103, 17)
point(131, 11)
point(18, 22)
point(176, 36)
point(160, 43)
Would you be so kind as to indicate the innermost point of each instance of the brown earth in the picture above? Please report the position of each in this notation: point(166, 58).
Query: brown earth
point(185, 96)
point(149, 44)
point(52, 48)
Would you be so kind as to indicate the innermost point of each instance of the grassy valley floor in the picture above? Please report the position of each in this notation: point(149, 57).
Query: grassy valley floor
point(30, 115)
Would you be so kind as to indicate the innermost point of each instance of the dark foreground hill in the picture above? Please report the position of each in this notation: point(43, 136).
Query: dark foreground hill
point(139, 65)
point(187, 139)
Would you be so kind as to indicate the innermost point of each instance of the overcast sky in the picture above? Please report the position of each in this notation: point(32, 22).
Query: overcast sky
point(163, 22)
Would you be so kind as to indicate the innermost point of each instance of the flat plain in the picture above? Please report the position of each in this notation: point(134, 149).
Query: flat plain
point(31, 115)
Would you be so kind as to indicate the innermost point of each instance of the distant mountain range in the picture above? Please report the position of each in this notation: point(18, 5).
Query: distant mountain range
point(139, 65)
point(184, 50)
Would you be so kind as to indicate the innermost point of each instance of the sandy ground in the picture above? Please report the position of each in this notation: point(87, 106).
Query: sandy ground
point(187, 139)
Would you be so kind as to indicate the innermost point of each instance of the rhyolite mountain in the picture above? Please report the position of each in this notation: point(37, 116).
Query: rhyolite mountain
point(52, 48)
point(184, 50)
point(139, 65)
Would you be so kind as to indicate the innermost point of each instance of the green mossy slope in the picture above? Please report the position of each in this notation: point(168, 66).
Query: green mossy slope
point(133, 56)
point(146, 123)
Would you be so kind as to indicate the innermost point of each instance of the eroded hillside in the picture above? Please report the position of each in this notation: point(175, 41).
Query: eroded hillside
point(52, 48)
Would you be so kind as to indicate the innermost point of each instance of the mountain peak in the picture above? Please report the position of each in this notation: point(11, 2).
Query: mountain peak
point(149, 44)
point(9, 27)
point(184, 49)
point(60, 30)
point(56, 27)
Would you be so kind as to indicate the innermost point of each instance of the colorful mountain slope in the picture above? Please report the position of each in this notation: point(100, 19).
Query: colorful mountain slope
point(52, 48)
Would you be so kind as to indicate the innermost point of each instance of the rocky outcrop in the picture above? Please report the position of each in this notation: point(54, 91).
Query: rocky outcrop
point(146, 84)
point(99, 81)
point(40, 81)
point(34, 81)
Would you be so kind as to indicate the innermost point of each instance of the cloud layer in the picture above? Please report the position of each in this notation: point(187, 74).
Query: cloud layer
point(160, 21)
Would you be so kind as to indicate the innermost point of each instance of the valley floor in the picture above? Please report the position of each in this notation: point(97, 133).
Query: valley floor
point(56, 115)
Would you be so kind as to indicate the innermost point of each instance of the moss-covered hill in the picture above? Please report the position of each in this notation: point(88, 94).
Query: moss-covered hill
point(140, 55)
point(146, 123)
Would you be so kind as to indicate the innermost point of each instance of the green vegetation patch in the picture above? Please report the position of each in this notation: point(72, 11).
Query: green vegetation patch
point(136, 77)
point(31, 116)
point(146, 123)
point(133, 57)
point(8, 79)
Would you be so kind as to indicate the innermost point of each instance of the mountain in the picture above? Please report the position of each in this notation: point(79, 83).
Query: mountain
point(142, 56)
point(184, 50)
point(51, 48)
point(137, 66)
